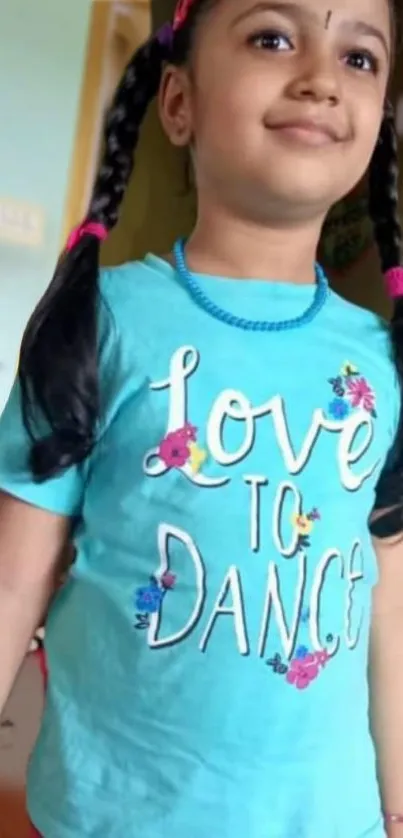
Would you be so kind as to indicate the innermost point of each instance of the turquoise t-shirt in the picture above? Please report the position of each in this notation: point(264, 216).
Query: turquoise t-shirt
point(208, 654)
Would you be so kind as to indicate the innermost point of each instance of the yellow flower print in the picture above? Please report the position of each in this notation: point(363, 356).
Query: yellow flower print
point(198, 457)
point(348, 369)
point(302, 524)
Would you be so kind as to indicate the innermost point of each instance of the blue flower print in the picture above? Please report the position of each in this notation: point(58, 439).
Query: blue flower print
point(302, 652)
point(339, 408)
point(149, 599)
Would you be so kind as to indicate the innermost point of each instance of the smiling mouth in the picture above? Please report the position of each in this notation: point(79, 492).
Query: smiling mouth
point(307, 133)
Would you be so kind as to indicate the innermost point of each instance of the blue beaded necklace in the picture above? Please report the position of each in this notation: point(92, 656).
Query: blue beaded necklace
point(199, 296)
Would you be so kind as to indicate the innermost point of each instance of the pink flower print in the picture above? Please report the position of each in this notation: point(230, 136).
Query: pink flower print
point(322, 657)
point(168, 581)
point(173, 450)
point(361, 394)
point(302, 672)
point(189, 432)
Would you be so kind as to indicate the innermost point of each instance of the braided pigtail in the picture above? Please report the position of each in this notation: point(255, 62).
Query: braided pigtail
point(58, 369)
point(384, 208)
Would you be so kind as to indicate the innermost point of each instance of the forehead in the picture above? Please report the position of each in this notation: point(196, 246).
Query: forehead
point(373, 12)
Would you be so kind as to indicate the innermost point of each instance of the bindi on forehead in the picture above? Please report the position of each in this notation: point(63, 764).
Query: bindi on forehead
point(328, 19)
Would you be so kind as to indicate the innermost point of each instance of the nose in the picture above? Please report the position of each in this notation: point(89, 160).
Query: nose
point(317, 81)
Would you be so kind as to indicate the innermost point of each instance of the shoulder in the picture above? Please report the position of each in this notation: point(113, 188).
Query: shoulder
point(134, 299)
point(365, 320)
point(364, 340)
point(137, 301)
point(363, 331)
point(135, 287)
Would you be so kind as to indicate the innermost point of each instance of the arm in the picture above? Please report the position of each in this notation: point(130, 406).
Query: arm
point(32, 545)
point(386, 676)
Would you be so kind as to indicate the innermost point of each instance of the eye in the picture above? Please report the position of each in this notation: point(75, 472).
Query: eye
point(362, 61)
point(271, 40)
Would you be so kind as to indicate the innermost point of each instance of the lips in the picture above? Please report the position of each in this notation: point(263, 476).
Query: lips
point(312, 131)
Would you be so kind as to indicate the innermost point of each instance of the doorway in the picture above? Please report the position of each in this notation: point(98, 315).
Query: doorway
point(116, 29)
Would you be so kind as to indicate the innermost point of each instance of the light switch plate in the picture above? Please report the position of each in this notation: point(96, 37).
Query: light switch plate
point(21, 223)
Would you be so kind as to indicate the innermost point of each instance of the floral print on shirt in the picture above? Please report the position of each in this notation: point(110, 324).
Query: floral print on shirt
point(351, 391)
point(179, 448)
point(306, 665)
point(148, 599)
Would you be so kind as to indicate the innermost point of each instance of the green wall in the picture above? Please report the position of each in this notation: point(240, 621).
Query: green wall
point(42, 49)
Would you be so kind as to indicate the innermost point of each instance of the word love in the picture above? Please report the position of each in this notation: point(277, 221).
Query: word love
point(354, 433)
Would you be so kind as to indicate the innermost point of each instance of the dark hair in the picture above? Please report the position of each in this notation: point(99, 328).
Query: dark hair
point(58, 369)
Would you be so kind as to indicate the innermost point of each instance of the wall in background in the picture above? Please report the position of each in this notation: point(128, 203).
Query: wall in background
point(160, 204)
point(42, 47)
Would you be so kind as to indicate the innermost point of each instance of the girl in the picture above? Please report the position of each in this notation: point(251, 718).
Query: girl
point(218, 425)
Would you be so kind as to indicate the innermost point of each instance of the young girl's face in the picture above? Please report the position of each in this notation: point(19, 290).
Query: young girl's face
point(281, 102)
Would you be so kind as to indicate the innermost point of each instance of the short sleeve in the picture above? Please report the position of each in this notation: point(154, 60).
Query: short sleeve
point(121, 378)
point(61, 495)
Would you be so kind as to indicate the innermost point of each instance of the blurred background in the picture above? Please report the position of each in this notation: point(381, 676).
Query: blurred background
point(59, 63)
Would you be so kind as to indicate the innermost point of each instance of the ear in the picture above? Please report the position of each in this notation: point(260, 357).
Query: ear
point(175, 105)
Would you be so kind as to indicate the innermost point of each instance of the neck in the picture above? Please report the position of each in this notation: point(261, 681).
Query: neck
point(226, 246)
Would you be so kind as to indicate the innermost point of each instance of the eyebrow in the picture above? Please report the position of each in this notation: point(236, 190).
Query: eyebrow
point(359, 27)
point(287, 8)
point(295, 10)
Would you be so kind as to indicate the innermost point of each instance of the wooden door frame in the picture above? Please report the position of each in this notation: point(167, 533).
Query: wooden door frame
point(129, 19)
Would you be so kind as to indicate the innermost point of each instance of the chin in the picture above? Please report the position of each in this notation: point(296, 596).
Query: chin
point(313, 187)
point(317, 175)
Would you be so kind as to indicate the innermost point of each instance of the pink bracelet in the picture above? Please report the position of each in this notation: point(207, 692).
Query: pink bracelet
point(389, 818)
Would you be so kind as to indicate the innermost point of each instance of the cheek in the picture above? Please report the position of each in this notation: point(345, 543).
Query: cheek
point(366, 123)
point(368, 120)
point(234, 107)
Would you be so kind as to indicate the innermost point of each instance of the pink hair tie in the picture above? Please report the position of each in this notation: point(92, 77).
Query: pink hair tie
point(86, 228)
point(181, 13)
point(394, 282)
